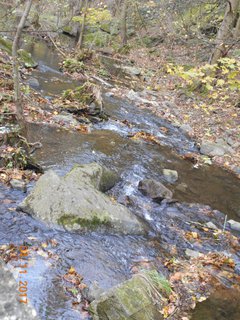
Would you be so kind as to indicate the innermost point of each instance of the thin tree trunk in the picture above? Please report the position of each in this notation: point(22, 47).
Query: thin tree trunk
point(80, 40)
point(76, 25)
point(237, 30)
point(16, 77)
point(123, 23)
point(225, 32)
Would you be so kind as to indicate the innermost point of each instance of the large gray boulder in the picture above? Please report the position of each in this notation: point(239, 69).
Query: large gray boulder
point(154, 189)
point(77, 201)
point(10, 307)
point(140, 298)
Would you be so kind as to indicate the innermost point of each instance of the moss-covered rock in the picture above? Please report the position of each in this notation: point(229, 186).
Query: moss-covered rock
point(140, 298)
point(82, 94)
point(85, 100)
point(74, 222)
point(6, 45)
point(25, 57)
point(73, 65)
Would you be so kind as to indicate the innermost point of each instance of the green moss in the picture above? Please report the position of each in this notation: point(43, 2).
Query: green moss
point(82, 94)
point(67, 29)
point(159, 281)
point(200, 16)
point(73, 65)
point(105, 27)
point(92, 223)
point(27, 59)
point(97, 39)
point(6, 45)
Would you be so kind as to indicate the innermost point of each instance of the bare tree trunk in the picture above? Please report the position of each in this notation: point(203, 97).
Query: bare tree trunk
point(225, 32)
point(76, 25)
point(123, 23)
point(16, 77)
point(80, 40)
point(237, 30)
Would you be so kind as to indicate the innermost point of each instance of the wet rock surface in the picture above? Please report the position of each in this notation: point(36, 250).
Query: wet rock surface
point(135, 299)
point(10, 307)
point(76, 201)
point(155, 190)
point(18, 185)
point(66, 118)
point(170, 176)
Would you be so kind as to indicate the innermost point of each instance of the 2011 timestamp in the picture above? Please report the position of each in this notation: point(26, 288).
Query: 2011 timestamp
point(23, 284)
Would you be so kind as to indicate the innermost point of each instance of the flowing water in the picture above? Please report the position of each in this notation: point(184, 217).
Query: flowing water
point(107, 258)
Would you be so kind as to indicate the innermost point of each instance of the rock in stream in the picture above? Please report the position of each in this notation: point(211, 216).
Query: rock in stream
point(77, 201)
point(155, 190)
point(139, 298)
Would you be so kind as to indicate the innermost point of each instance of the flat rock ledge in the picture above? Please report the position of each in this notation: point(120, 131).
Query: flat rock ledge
point(10, 307)
point(77, 202)
point(140, 298)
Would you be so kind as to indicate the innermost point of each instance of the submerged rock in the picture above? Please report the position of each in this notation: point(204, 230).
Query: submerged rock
point(155, 190)
point(170, 175)
point(182, 187)
point(10, 308)
point(139, 298)
point(18, 185)
point(76, 201)
point(33, 82)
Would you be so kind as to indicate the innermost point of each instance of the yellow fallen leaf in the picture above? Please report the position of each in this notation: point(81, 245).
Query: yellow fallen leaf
point(201, 299)
point(72, 270)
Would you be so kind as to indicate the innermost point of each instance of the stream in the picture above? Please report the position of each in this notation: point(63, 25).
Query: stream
point(107, 259)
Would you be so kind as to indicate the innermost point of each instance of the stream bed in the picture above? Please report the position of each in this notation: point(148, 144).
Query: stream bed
point(107, 259)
